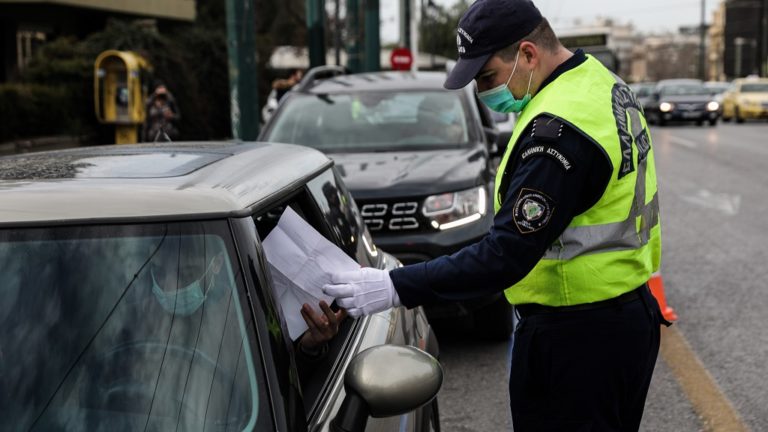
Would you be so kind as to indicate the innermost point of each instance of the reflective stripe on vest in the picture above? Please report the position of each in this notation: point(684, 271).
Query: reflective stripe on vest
point(615, 245)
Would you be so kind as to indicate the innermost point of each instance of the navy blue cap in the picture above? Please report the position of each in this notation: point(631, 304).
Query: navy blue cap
point(486, 27)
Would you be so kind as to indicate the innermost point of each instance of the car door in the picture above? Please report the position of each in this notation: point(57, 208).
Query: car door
point(398, 326)
point(308, 399)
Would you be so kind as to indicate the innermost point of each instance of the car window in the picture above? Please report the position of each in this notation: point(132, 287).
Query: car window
point(342, 215)
point(127, 327)
point(313, 374)
point(373, 121)
point(754, 88)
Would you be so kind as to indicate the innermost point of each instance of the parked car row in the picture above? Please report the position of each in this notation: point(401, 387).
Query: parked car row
point(688, 100)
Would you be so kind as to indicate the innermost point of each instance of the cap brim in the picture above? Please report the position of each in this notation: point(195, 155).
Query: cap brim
point(465, 71)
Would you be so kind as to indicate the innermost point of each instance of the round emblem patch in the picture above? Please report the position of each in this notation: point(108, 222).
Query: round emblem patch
point(533, 210)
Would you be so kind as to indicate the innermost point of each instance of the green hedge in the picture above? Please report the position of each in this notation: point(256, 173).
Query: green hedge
point(30, 110)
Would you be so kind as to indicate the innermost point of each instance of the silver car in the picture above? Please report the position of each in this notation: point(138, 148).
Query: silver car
point(91, 338)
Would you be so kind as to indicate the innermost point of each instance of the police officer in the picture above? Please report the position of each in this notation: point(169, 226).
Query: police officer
point(576, 234)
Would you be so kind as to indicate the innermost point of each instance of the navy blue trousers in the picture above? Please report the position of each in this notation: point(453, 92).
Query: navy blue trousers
point(584, 370)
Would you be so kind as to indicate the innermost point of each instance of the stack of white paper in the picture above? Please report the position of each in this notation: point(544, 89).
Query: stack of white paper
point(301, 261)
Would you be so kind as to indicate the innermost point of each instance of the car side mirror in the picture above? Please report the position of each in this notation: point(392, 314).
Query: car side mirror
point(384, 381)
point(656, 96)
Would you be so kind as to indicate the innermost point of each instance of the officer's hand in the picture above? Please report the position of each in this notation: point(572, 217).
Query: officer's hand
point(322, 327)
point(363, 292)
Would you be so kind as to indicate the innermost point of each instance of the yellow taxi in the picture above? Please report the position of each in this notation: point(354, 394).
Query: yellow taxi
point(747, 99)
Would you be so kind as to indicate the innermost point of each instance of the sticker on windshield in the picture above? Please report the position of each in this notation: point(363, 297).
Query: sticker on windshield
point(533, 210)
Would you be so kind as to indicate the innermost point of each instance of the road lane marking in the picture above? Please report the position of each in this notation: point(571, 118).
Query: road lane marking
point(683, 142)
point(726, 203)
point(716, 411)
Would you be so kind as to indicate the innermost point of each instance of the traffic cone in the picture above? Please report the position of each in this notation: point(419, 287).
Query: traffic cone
point(657, 289)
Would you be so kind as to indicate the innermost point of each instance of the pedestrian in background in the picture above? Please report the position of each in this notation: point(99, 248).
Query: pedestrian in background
point(162, 116)
point(283, 86)
point(576, 234)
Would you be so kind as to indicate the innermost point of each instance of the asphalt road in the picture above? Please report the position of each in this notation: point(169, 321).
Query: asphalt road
point(712, 374)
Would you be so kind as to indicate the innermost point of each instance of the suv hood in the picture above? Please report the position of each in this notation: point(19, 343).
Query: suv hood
point(416, 173)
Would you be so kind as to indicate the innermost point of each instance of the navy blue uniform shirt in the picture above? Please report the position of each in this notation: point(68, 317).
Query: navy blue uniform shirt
point(552, 176)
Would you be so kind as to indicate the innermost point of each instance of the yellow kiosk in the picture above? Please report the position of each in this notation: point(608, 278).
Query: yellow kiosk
point(120, 90)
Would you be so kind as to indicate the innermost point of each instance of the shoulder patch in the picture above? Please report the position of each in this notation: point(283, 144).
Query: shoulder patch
point(532, 211)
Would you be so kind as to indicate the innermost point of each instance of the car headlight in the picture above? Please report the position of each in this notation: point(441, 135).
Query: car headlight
point(666, 107)
point(713, 106)
point(453, 209)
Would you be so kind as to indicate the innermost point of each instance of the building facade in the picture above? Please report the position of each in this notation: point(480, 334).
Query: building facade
point(716, 45)
point(744, 38)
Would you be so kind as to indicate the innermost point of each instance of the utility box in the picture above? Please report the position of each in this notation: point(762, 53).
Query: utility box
point(120, 91)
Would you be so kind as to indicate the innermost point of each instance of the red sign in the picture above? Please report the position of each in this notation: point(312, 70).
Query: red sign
point(401, 59)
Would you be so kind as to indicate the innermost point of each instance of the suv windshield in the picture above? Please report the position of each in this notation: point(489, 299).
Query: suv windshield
point(125, 327)
point(373, 121)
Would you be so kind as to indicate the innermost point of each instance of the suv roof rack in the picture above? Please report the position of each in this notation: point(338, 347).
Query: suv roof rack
point(320, 73)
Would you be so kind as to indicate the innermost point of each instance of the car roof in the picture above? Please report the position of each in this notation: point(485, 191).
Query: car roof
point(378, 81)
point(194, 180)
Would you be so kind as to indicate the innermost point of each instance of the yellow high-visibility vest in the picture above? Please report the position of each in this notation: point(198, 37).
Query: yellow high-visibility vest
point(614, 246)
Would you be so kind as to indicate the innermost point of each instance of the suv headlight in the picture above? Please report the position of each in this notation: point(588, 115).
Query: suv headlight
point(713, 106)
point(453, 209)
point(666, 107)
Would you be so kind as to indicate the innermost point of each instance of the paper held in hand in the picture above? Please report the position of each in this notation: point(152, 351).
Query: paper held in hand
point(301, 261)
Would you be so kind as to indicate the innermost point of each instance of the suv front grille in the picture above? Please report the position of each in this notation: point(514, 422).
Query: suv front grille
point(397, 216)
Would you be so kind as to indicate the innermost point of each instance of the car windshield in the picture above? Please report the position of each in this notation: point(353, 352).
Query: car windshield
point(134, 327)
point(373, 121)
point(685, 90)
point(717, 88)
point(754, 88)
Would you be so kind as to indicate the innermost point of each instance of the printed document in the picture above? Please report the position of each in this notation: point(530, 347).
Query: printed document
point(301, 261)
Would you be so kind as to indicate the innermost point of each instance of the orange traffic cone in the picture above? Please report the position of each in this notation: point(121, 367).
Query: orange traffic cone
point(657, 289)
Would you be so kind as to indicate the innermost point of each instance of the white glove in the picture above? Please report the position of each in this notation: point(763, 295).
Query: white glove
point(363, 292)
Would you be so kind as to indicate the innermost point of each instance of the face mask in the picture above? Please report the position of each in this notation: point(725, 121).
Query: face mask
point(184, 301)
point(500, 99)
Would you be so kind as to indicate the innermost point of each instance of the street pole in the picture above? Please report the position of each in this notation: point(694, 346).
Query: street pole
point(316, 32)
point(353, 33)
point(337, 32)
point(372, 39)
point(242, 61)
point(702, 44)
point(405, 23)
point(765, 40)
